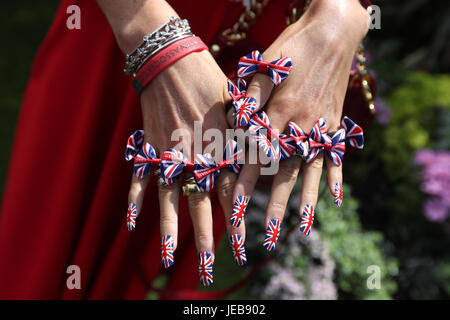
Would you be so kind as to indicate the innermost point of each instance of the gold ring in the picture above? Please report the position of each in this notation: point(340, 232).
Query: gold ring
point(190, 186)
point(160, 182)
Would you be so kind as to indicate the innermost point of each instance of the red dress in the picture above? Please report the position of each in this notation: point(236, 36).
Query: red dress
point(65, 198)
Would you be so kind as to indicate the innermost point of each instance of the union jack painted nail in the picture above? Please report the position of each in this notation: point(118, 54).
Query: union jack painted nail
point(244, 109)
point(338, 194)
point(239, 208)
point(237, 246)
point(205, 268)
point(307, 219)
point(272, 234)
point(167, 251)
point(131, 217)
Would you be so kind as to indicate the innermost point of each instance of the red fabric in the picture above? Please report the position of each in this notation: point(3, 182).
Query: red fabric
point(65, 197)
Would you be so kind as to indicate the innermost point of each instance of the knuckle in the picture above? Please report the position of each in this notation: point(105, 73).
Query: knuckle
point(259, 83)
point(165, 189)
point(289, 170)
point(167, 219)
point(226, 189)
point(309, 196)
point(277, 208)
point(288, 101)
point(226, 184)
point(204, 239)
point(198, 200)
point(317, 163)
point(135, 189)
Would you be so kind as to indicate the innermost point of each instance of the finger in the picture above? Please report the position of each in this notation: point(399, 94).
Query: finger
point(201, 215)
point(335, 181)
point(283, 183)
point(135, 199)
point(168, 206)
point(260, 88)
point(310, 189)
point(236, 235)
point(243, 190)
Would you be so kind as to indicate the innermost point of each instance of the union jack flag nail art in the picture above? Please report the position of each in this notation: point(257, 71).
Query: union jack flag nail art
point(307, 219)
point(272, 234)
point(338, 194)
point(131, 217)
point(237, 246)
point(205, 268)
point(244, 108)
point(167, 251)
point(239, 207)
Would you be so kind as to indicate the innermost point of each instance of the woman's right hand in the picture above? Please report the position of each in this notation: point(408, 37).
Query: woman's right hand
point(192, 90)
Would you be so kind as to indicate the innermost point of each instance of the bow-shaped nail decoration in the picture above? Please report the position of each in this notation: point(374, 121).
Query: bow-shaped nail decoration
point(301, 139)
point(320, 141)
point(134, 144)
point(264, 136)
point(206, 170)
point(237, 91)
point(172, 164)
point(354, 134)
point(287, 146)
point(145, 161)
point(243, 110)
point(277, 70)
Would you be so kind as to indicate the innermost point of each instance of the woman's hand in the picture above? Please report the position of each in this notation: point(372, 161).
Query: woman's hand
point(321, 44)
point(192, 91)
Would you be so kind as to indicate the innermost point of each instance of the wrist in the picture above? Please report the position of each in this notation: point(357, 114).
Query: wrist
point(132, 20)
point(343, 21)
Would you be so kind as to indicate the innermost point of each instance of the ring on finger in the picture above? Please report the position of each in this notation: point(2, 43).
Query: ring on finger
point(190, 186)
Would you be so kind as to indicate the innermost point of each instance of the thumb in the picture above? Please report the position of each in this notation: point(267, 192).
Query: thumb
point(260, 88)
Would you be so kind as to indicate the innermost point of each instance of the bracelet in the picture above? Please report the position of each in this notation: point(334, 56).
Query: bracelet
point(155, 41)
point(164, 59)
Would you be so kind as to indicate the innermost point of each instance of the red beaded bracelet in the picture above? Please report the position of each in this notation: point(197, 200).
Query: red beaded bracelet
point(164, 59)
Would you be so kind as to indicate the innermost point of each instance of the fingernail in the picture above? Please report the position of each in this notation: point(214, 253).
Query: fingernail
point(272, 234)
point(167, 251)
point(239, 208)
point(237, 246)
point(131, 217)
point(244, 108)
point(205, 268)
point(338, 194)
point(307, 219)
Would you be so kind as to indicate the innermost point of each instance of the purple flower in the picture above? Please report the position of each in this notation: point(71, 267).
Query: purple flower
point(383, 115)
point(435, 178)
point(436, 210)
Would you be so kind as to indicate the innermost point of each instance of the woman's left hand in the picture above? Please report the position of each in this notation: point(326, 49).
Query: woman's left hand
point(321, 45)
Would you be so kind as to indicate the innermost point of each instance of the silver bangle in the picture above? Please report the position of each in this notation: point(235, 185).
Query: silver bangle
point(169, 32)
point(166, 44)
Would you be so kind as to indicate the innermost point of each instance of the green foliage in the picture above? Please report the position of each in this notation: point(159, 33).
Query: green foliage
point(354, 249)
point(387, 182)
point(414, 114)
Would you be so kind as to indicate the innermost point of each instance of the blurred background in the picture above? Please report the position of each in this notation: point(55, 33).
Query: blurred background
point(396, 207)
